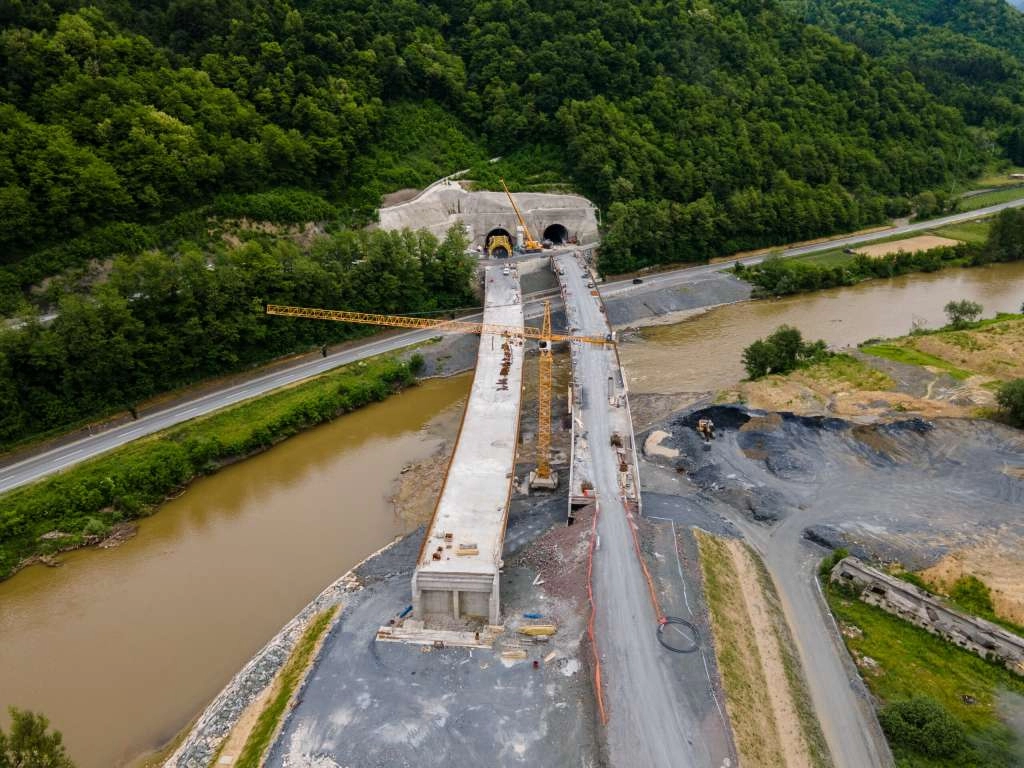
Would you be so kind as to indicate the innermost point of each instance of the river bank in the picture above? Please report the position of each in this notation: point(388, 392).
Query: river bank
point(700, 355)
point(94, 640)
point(83, 505)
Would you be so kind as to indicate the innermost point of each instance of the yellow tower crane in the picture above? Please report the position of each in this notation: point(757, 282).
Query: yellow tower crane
point(531, 245)
point(542, 334)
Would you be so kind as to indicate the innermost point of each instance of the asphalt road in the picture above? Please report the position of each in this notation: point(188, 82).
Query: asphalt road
point(40, 465)
point(649, 721)
point(680, 276)
point(844, 712)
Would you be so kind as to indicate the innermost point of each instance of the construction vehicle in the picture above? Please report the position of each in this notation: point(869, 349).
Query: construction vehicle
point(499, 247)
point(543, 476)
point(529, 244)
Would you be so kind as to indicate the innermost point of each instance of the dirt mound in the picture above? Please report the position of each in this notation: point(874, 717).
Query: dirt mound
point(910, 491)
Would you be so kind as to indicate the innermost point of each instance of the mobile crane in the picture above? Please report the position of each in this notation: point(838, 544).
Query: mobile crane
point(530, 245)
point(543, 476)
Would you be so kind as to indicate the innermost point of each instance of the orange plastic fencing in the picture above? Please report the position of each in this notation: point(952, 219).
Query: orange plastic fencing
point(598, 685)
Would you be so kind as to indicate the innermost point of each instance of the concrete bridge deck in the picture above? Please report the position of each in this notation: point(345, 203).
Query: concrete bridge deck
point(457, 570)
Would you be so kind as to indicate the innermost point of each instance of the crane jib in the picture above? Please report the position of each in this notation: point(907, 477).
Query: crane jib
point(444, 326)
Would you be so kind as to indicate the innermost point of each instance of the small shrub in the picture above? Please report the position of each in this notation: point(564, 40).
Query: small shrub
point(971, 594)
point(781, 352)
point(31, 744)
point(1010, 398)
point(94, 527)
point(830, 561)
point(922, 726)
point(963, 312)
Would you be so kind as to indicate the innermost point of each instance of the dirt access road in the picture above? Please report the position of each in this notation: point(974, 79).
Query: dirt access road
point(649, 722)
point(909, 491)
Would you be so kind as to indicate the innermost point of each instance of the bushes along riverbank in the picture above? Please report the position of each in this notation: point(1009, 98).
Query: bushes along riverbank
point(780, 277)
point(80, 506)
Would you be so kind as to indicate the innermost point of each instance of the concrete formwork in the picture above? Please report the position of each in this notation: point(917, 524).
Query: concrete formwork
point(457, 570)
point(443, 205)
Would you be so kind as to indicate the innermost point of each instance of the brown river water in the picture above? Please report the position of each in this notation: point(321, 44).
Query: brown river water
point(121, 648)
point(704, 352)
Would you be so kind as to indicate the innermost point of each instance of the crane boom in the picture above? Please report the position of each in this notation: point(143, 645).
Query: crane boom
point(531, 244)
point(444, 326)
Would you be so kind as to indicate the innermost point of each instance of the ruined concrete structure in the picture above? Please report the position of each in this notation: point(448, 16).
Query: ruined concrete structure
point(457, 573)
point(549, 216)
point(928, 612)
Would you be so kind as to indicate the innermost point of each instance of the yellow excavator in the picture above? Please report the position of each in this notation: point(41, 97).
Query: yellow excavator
point(543, 334)
point(530, 245)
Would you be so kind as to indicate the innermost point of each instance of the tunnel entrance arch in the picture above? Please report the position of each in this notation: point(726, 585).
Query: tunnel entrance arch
point(556, 233)
point(502, 240)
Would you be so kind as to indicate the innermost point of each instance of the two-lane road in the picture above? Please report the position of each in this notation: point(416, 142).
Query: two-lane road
point(38, 466)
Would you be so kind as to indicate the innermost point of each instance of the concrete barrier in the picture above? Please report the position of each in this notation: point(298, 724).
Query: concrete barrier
point(923, 609)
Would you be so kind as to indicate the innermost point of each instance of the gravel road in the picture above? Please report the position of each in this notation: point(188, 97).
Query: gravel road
point(650, 723)
point(908, 491)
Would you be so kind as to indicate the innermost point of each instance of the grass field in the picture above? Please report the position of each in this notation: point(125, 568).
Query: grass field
point(994, 178)
point(849, 370)
point(911, 356)
point(912, 663)
point(994, 197)
point(975, 232)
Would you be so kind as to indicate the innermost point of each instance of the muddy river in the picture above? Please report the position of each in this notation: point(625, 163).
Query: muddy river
point(704, 352)
point(121, 648)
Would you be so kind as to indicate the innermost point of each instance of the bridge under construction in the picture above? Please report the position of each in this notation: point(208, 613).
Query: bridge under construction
point(460, 559)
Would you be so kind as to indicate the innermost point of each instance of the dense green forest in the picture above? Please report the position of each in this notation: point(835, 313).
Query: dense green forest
point(135, 110)
point(163, 320)
point(130, 128)
point(969, 53)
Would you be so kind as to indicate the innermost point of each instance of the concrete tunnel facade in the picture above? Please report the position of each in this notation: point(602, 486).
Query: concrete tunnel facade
point(481, 213)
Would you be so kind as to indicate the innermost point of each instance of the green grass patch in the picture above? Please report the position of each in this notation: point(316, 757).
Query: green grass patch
point(975, 232)
point(998, 178)
point(837, 257)
point(289, 678)
point(995, 197)
point(909, 355)
point(850, 370)
point(128, 482)
point(914, 663)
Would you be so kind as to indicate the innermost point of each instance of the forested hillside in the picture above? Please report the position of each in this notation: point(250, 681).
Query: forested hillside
point(969, 53)
point(732, 110)
point(131, 127)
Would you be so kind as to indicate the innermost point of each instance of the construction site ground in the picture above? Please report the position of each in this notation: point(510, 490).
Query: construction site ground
point(912, 492)
point(369, 703)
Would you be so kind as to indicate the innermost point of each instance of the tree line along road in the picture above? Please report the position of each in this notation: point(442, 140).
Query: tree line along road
point(36, 467)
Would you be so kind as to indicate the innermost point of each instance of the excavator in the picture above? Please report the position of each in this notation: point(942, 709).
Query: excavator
point(543, 477)
point(529, 245)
